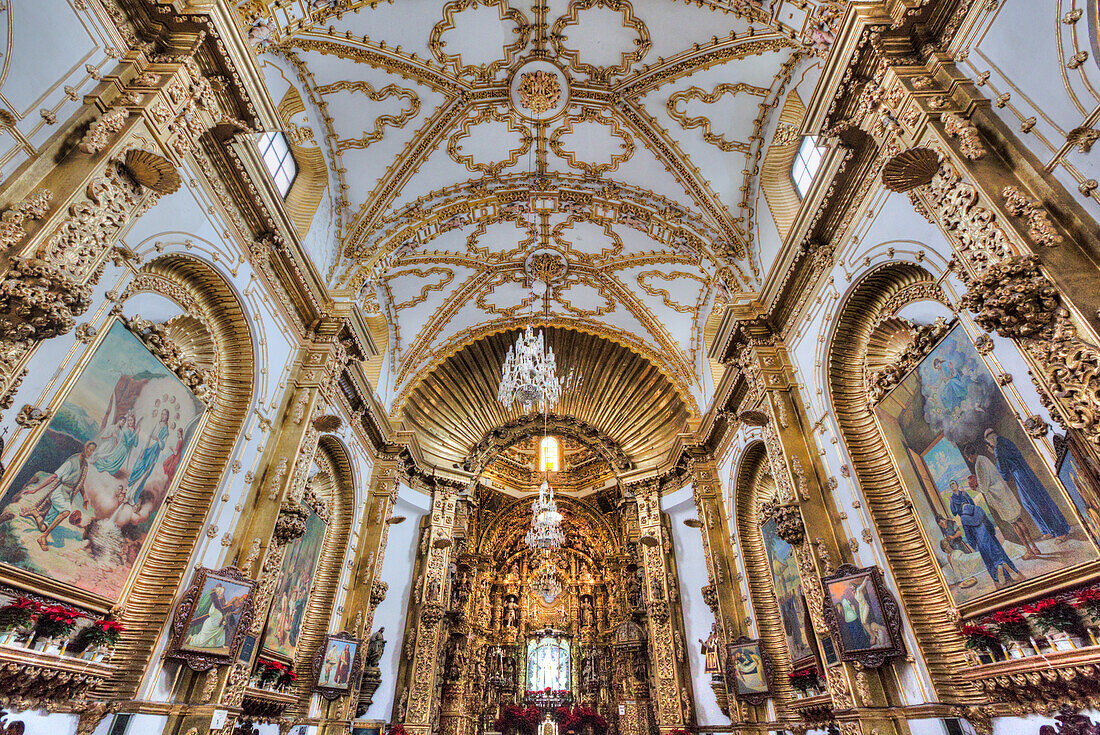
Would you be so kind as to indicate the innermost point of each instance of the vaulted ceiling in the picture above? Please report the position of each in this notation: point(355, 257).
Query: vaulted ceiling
point(478, 149)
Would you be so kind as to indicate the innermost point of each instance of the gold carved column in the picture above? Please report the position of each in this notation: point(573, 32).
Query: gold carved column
point(860, 697)
point(664, 674)
point(422, 705)
point(721, 593)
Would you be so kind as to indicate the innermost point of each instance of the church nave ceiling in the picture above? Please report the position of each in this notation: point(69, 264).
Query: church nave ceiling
point(481, 148)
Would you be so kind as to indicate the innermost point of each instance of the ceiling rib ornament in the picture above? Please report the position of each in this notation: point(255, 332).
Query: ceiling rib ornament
point(454, 144)
point(686, 96)
point(593, 116)
point(388, 59)
point(382, 121)
point(558, 38)
point(624, 397)
point(482, 72)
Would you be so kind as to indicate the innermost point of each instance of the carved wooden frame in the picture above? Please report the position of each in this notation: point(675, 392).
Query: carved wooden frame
point(331, 693)
point(731, 677)
point(181, 621)
point(871, 658)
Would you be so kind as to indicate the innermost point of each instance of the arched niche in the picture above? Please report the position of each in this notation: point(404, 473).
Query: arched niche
point(754, 490)
point(212, 330)
point(870, 332)
point(333, 485)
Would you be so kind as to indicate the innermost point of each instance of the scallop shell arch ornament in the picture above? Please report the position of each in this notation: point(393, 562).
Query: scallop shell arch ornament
point(701, 121)
point(592, 115)
point(642, 42)
point(485, 72)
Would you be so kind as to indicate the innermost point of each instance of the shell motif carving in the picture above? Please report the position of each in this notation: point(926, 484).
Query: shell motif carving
point(910, 169)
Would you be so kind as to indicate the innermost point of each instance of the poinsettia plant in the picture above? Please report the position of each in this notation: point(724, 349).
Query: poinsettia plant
point(805, 678)
point(980, 638)
point(516, 719)
point(268, 670)
point(286, 678)
point(580, 719)
point(101, 632)
point(1012, 624)
point(56, 621)
point(1088, 600)
point(398, 729)
point(20, 612)
point(1055, 613)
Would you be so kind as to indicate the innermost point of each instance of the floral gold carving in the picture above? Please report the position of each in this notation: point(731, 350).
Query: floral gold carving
point(539, 91)
point(1039, 227)
point(100, 131)
point(969, 141)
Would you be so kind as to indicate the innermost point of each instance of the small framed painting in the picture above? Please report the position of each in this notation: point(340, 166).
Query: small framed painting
point(862, 615)
point(751, 673)
point(336, 665)
point(213, 618)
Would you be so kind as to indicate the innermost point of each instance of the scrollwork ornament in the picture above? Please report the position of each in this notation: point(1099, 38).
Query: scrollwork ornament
point(788, 522)
point(1013, 298)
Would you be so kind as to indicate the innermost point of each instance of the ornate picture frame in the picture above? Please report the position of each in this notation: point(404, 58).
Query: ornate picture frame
point(213, 618)
point(863, 616)
point(748, 650)
point(337, 665)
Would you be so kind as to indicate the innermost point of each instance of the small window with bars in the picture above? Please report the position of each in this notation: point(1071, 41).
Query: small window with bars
point(806, 165)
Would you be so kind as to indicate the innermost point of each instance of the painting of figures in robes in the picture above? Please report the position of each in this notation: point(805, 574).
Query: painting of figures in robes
point(988, 502)
point(788, 593)
point(288, 603)
point(81, 506)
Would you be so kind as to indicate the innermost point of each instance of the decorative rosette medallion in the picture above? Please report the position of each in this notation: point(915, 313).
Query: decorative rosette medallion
point(539, 90)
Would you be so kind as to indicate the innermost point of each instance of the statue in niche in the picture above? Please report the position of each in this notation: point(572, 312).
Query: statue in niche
point(375, 646)
point(633, 590)
point(511, 612)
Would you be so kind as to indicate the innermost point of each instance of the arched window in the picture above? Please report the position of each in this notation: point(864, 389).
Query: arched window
point(549, 455)
point(278, 159)
point(548, 663)
point(806, 164)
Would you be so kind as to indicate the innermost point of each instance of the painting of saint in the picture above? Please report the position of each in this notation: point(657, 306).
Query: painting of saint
point(748, 668)
point(788, 593)
point(337, 664)
point(988, 502)
point(212, 627)
point(859, 615)
point(81, 506)
point(291, 596)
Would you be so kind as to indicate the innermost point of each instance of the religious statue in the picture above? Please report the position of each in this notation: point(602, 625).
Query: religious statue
point(511, 612)
point(375, 646)
point(709, 649)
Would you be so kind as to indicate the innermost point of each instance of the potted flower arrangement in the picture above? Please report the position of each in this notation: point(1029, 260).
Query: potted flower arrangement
point(804, 679)
point(981, 639)
point(1014, 628)
point(269, 672)
point(1088, 600)
point(17, 619)
point(286, 679)
point(95, 642)
point(398, 729)
point(580, 719)
point(517, 720)
point(54, 624)
point(1056, 614)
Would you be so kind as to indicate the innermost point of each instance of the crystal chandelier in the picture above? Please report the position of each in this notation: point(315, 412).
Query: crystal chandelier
point(530, 374)
point(545, 581)
point(545, 532)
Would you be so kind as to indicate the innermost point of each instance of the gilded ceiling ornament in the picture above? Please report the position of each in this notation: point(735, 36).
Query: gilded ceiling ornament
point(642, 42)
point(684, 97)
point(409, 110)
point(910, 169)
point(152, 170)
point(484, 72)
point(592, 115)
point(539, 91)
point(454, 145)
point(1039, 227)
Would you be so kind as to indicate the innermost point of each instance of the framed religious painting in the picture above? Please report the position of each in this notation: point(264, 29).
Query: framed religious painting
point(862, 615)
point(336, 665)
point(213, 618)
point(291, 596)
point(787, 583)
point(996, 518)
point(751, 672)
point(84, 495)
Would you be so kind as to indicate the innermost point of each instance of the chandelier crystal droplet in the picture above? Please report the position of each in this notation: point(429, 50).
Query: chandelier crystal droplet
point(545, 582)
point(545, 532)
point(530, 374)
